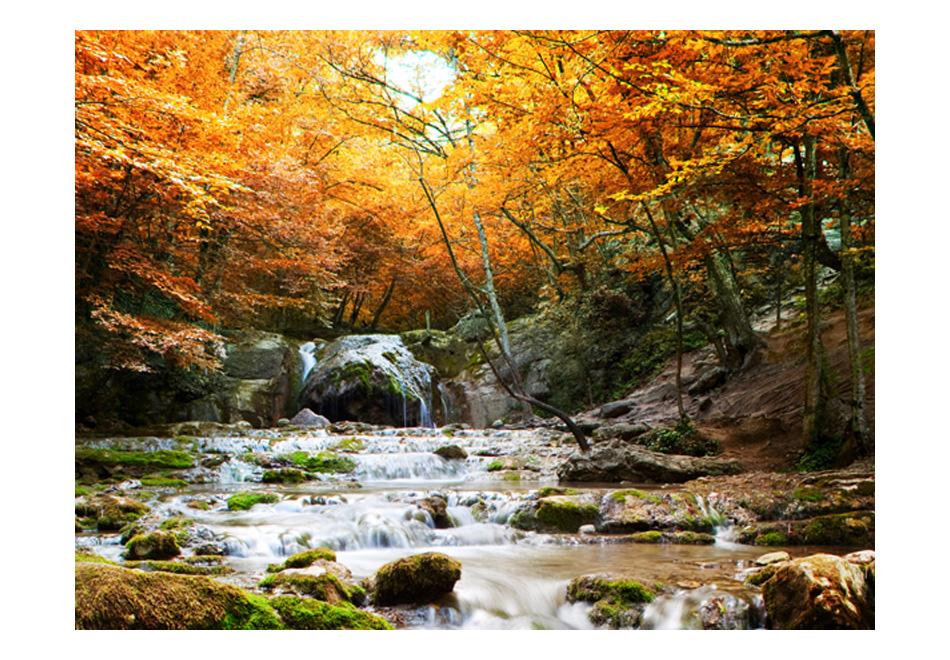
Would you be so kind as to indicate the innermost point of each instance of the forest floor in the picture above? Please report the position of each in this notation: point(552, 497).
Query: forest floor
point(757, 414)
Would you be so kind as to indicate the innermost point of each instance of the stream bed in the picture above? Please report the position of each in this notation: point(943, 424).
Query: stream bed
point(376, 513)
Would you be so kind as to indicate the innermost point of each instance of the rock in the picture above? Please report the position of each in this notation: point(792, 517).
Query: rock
point(557, 514)
point(157, 545)
point(708, 607)
point(772, 558)
point(621, 431)
point(451, 453)
point(417, 579)
point(618, 600)
point(709, 380)
point(115, 598)
point(309, 614)
point(820, 592)
point(324, 580)
point(616, 409)
point(370, 378)
point(307, 418)
point(436, 507)
point(587, 529)
point(616, 461)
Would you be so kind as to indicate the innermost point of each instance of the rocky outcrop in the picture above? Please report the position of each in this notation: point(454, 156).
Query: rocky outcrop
point(370, 378)
point(256, 384)
point(617, 461)
point(618, 600)
point(115, 598)
point(820, 592)
point(417, 579)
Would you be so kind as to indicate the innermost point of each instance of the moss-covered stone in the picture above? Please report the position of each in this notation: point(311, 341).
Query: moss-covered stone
point(304, 559)
point(245, 500)
point(618, 600)
point(116, 598)
point(179, 567)
point(308, 614)
point(324, 461)
point(451, 453)
point(565, 515)
point(417, 579)
point(157, 545)
point(110, 513)
point(652, 536)
point(284, 476)
point(323, 586)
point(132, 462)
point(844, 529)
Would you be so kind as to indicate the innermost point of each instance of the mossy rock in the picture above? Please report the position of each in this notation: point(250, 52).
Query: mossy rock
point(322, 585)
point(309, 614)
point(324, 462)
point(179, 567)
point(420, 578)
point(843, 529)
point(245, 500)
point(110, 513)
point(564, 515)
point(116, 598)
point(157, 545)
point(652, 536)
point(618, 600)
point(304, 559)
point(284, 476)
point(107, 461)
point(451, 453)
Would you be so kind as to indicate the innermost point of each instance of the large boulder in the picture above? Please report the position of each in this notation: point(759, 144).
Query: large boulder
point(116, 598)
point(618, 600)
point(820, 592)
point(369, 378)
point(417, 579)
point(618, 461)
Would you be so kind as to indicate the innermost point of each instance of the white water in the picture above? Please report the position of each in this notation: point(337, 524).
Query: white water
point(511, 579)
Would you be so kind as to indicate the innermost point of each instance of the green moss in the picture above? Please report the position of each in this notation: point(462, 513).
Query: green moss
point(153, 460)
point(621, 495)
point(618, 601)
point(511, 475)
point(115, 598)
point(179, 567)
point(847, 529)
point(865, 488)
point(284, 476)
point(760, 577)
point(324, 461)
point(495, 466)
point(647, 537)
point(159, 481)
point(771, 538)
point(157, 545)
point(351, 445)
point(809, 494)
point(245, 500)
point(692, 538)
point(304, 559)
point(89, 556)
point(566, 516)
point(308, 614)
point(326, 586)
point(81, 491)
point(417, 579)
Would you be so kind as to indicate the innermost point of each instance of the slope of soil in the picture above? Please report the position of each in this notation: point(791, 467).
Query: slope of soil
point(757, 414)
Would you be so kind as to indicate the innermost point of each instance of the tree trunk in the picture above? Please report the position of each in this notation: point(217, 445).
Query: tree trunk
point(498, 314)
point(859, 425)
point(814, 350)
point(741, 340)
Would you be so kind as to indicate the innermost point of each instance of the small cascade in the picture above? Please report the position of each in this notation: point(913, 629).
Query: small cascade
point(308, 359)
point(407, 466)
point(706, 608)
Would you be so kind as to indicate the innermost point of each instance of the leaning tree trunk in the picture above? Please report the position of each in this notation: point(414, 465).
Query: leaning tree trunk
point(741, 339)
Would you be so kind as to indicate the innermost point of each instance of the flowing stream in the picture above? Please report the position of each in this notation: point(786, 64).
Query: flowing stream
point(511, 579)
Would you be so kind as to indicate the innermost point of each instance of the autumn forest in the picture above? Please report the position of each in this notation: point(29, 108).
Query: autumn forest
point(386, 181)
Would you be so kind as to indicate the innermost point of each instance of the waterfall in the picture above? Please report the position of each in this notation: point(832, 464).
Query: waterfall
point(308, 359)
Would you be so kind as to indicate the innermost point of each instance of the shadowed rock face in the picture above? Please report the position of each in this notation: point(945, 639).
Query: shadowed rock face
point(617, 461)
point(369, 378)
